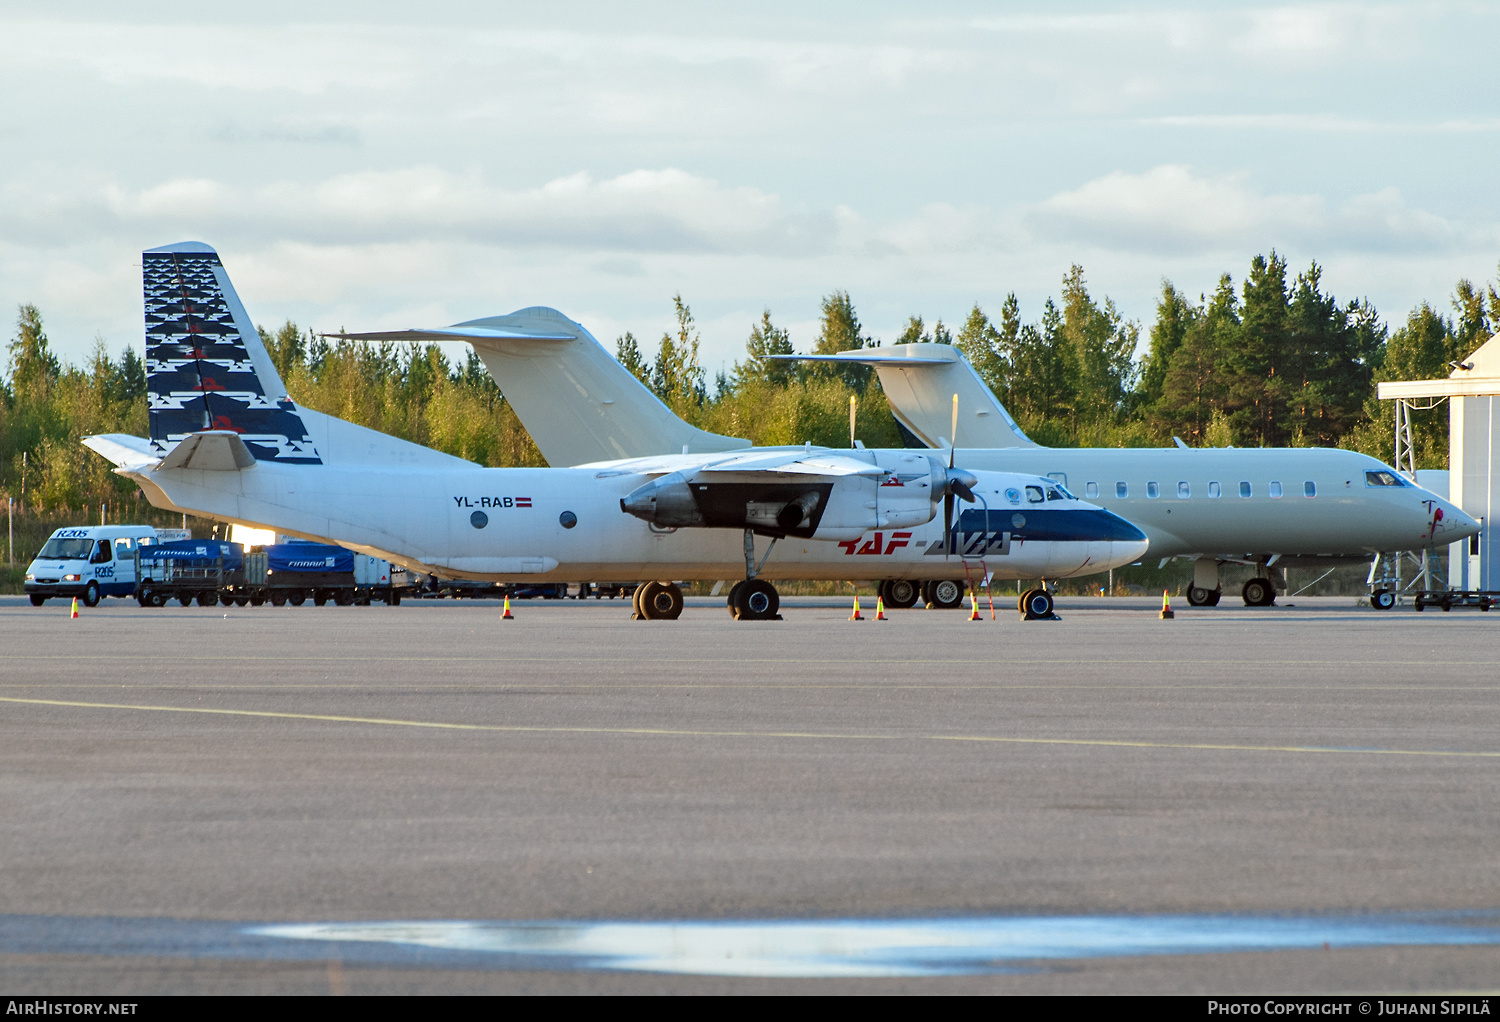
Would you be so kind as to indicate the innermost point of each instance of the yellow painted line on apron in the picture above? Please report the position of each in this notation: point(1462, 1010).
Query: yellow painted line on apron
point(683, 733)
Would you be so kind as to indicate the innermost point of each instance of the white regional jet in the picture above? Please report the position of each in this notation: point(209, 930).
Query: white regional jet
point(229, 444)
point(1264, 507)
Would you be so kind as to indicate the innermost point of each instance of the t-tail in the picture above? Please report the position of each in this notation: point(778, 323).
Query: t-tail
point(920, 380)
point(577, 401)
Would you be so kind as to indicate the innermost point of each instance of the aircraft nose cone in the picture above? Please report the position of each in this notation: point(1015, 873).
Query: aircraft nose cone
point(1455, 524)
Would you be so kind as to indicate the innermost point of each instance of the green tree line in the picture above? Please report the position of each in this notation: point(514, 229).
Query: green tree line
point(1271, 360)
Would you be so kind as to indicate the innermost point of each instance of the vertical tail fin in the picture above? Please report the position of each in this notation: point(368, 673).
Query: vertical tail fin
point(576, 400)
point(920, 380)
point(206, 366)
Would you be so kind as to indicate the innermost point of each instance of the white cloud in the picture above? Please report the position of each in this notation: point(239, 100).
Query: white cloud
point(1172, 209)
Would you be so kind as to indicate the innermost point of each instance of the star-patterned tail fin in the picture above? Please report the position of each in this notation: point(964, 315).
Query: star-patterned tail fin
point(206, 366)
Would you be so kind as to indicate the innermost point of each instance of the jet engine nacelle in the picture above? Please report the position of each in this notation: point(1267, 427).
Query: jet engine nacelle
point(904, 494)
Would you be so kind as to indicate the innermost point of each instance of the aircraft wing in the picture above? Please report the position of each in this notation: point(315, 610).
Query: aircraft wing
point(819, 464)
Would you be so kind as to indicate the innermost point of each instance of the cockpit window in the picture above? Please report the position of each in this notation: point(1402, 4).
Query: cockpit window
point(1058, 493)
point(1384, 478)
point(1034, 494)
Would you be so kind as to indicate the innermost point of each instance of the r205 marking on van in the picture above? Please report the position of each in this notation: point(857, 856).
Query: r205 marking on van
point(104, 571)
point(71, 534)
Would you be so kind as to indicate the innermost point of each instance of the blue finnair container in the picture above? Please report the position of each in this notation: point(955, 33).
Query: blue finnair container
point(198, 553)
point(292, 558)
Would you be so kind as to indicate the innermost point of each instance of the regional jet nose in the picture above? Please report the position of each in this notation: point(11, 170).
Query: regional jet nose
point(1450, 523)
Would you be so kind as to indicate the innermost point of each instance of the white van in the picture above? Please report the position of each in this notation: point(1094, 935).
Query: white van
point(88, 562)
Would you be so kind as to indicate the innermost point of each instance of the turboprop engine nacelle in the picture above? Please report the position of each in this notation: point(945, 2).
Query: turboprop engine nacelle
point(822, 496)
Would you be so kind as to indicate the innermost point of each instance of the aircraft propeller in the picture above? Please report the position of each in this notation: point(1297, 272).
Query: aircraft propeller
point(957, 481)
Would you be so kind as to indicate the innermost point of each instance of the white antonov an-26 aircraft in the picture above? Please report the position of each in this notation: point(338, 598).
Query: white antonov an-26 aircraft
point(227, 443)
point(1252, 506)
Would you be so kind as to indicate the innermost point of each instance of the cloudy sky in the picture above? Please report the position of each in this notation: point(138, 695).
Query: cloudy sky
point(419, 164)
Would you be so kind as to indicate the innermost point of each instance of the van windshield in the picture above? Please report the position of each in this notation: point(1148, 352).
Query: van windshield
point(66, 550)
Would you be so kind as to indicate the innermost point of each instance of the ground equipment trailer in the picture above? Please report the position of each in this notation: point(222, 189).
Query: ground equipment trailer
point(297, 572)
point(187, 571)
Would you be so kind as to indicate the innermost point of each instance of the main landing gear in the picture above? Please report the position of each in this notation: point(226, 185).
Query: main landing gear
point(899, 593)
point(947, 594)
point(1259, 592)
point(754, 599)
point(1197, 596)
point(656, 601)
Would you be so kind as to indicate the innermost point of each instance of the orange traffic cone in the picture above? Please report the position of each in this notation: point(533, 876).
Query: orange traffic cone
point(507, 615)
point(974, 602)
point(880, 609)
point(856, 615)
point(1166, 607)
point(75, 607)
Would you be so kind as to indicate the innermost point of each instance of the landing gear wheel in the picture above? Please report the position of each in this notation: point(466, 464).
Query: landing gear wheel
point(901, 593)
point(756, 600)
point(734, 592)
point(37, 599)
point(1036, 605)
point(1213, 597)
point(660, 601)
point(1383, 599)
point(1258, 592)
point(1197, 596)
point(944, 595)
point(91, 595)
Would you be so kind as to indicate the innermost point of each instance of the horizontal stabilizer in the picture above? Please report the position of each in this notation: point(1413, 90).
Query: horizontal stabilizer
point(866, 357)
point(123, 450)
point(209, 451)
point(452, 333)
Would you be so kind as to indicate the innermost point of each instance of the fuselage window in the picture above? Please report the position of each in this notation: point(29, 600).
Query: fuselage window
point(1091, 489)
point(1152, 491)
point(1244, 489)
point(1061, 478)
point(1213, 490)
point(1383, 479)
point(1184, 491)
point(1309, 489)
point(1122, 490)
point(1275, 488)
point(1034, 494)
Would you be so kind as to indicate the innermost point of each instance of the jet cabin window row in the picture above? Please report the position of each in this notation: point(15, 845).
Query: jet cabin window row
point(1215, 490)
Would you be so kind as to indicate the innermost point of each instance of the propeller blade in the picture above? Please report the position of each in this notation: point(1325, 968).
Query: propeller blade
point(947, 523)
point(851, 422)
point(953, 435)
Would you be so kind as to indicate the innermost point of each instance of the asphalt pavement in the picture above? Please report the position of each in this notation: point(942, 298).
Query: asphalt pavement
point(172, 778)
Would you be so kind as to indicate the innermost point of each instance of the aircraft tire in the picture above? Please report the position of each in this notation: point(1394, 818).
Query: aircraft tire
point(729, 601)
point(946, 594)
point(660, 601)
point(37, 599)
point(1213, 597)
point(1382, 599)
point(1258, 592)
point(1197, 596)
point(900, 593)
point(91, 594)
point(756, 600)
point(1038, 605)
